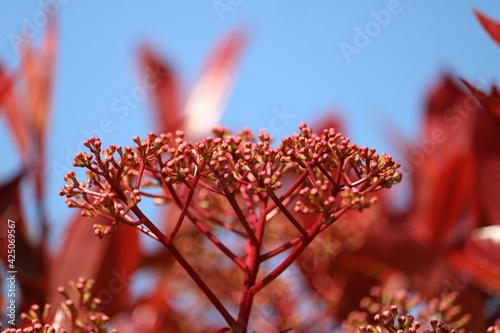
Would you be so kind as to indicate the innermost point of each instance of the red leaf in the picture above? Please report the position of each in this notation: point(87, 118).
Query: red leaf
point(479, 259)
point(6, 84)
point(450, 202)
point(490, 102)
point(487, 157)
point(16, 119)
point(159, 75)
point(111, 261)
point(31, 258)
point(37, 69)
point(449, 108)
point(9, 192)
point(392, 254)
point(492, 27)
point(442, 164)
point(207, 100)
point(47, 58)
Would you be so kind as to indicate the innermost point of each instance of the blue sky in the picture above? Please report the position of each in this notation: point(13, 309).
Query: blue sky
point(294, 62)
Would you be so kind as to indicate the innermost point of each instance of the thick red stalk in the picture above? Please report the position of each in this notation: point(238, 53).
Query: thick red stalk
point(187, 267)
point(252, 262)
point(205, 230)
point(246, 174)
point(241, 216)
point(164, 240)
point(282, 267)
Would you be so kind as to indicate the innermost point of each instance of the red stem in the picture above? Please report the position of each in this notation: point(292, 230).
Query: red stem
point(207, 216)
point(280, 249)
point(206, 232)
point(283, 266)
point(319, 226)
point(184, 208)
point(290, 191)
point(180, 259)
point(240, 215)
point(141, 172)
point(290, 217)
point(187, 267)
point(252, 263)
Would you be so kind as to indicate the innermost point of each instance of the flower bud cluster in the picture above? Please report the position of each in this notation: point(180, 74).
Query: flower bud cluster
point(445, 308)
point(390, 320)
point(79, 313)
point(388, 317)
point(337, 165)
point(339, 173)
point(318, 199)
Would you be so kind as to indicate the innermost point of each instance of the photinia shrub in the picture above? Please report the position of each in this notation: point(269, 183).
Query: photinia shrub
point(238, 212)
point(238, 183)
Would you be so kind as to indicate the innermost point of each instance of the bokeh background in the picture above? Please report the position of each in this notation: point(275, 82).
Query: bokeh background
point(293, 63)
point(369, 65)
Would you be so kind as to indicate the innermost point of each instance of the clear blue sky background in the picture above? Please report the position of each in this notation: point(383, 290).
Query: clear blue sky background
point(293, 61)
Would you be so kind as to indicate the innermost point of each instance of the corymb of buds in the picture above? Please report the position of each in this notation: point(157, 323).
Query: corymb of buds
point(78, 312)
point(336, 174)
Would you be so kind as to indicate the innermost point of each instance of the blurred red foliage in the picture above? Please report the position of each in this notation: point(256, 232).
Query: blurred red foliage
point(447, 239)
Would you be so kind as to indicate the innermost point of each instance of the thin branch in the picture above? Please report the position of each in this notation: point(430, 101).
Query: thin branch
point(206, 232)
point(335, 217)
point(310, 173)
point(218, 243)
point(130, 221)
point(208, 216)
point(208, 187)
point(285, 211)
point(206, 290)
point(146, 232)
point(290, 191)
point(89, 191)
point(280, 249)
point(370, 188)
point(326, 174)
point(338, 179)
point(285, 202)
point(187, 267)
point(319, 226)
point(184, 208)
point(141, 171)
point(154, 196)
point(241, 215)
point(281, 267)
point(251, 214)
